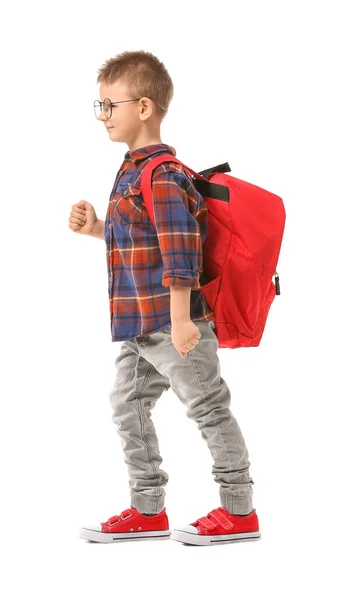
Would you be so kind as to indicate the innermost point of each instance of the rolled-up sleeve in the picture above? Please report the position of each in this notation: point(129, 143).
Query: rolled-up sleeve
point(178, 230)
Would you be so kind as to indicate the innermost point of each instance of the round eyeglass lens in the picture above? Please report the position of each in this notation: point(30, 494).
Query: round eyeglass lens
point(106, 108)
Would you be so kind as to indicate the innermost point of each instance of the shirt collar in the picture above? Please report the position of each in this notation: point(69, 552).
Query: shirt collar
point(146, 151)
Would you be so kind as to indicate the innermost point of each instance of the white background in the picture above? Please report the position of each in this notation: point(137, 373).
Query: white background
point(254, 86)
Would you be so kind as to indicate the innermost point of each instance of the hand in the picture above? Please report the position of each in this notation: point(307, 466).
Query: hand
point(185, 336)
point(83, 218)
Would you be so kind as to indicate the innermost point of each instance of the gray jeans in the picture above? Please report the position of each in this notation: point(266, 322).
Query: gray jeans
point(145, 368)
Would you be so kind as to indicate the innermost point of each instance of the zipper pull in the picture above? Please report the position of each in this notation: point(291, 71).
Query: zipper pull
point(277, 284)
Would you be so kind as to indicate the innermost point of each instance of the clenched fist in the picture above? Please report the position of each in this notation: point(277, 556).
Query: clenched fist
point(83, 218)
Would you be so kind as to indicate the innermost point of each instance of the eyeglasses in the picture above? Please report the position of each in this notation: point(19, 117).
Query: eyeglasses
point(107, 106)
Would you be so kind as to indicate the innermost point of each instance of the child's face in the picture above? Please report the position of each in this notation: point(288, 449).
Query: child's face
point(128, 119)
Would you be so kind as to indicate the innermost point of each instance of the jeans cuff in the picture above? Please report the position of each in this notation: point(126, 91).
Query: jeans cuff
point(147, 504)
point(237, 505)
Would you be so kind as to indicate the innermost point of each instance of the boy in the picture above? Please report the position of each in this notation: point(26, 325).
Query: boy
point(157, 310)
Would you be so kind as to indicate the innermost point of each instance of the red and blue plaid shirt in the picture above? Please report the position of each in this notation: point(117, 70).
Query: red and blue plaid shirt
point(143, 260)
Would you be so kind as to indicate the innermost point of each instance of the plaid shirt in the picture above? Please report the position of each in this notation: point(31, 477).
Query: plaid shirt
point(143, 260)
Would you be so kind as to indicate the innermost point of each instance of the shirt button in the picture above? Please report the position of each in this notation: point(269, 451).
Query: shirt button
point(110, 225)
point(125, 192)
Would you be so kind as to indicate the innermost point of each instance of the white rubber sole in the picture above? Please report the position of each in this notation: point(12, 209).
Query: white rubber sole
point(98, 536)
point(207, 540)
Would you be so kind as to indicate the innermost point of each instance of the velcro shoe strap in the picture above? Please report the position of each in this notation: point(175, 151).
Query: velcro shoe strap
point(215, 519)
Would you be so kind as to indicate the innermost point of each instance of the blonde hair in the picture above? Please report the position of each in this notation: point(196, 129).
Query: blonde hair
point(143, 75)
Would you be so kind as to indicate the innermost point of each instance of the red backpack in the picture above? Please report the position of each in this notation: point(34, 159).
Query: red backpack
point(240, 253)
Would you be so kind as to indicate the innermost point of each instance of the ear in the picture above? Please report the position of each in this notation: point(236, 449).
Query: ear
point(147, 107)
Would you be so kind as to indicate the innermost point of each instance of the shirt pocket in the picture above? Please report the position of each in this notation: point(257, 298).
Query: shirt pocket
point(127, 204)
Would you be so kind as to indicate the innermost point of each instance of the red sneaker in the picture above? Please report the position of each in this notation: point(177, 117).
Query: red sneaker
point(219, 527)
point(129, 525)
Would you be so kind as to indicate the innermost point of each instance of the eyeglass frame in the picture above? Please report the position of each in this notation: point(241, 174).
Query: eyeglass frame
point(101, 102)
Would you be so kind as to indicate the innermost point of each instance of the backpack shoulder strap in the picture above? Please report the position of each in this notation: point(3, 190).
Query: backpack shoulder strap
point(146, 178)
point(200, 181)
